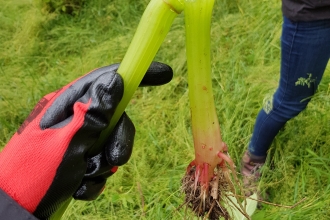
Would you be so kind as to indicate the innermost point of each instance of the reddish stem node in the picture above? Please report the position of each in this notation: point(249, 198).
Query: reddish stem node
point(226, 158)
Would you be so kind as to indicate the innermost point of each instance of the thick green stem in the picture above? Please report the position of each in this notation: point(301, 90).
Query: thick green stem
point(151, 32)
point(154, 25)
point(205, 125)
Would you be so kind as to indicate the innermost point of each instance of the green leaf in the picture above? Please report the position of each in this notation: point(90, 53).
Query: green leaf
point(251, 206)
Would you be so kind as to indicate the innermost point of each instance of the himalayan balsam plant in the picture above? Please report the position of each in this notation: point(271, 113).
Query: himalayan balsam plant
point(154, 25)
point(208, 181)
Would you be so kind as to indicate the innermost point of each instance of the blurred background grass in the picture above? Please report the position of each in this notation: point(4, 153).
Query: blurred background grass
point(42, 51)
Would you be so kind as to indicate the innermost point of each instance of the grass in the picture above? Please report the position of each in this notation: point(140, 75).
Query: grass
point(42, 52)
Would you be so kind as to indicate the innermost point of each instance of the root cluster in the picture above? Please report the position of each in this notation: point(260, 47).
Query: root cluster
point(210, 204)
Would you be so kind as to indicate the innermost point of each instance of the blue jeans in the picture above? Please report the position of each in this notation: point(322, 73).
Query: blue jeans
point(305, 52)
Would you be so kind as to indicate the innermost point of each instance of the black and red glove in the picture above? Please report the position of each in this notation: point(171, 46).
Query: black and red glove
point(48, 159)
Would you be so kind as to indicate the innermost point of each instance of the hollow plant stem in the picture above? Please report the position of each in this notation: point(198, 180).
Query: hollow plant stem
point(205, 124)
point(153, 27)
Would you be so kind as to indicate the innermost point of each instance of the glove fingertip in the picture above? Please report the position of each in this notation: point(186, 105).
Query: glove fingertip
point(157, 74)
point(119, 146)
point(90, 189)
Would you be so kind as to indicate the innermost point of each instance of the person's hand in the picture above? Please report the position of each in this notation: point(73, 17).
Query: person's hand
point(48, 159)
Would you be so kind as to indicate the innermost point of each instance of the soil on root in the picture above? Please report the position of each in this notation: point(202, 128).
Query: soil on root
point(210, 205)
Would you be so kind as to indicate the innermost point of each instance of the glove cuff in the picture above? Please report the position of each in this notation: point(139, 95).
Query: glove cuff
point(9, 209)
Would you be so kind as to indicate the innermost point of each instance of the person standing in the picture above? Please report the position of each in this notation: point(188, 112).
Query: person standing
point(305, 52)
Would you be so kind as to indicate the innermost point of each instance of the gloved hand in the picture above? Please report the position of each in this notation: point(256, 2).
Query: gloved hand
point(48, 159)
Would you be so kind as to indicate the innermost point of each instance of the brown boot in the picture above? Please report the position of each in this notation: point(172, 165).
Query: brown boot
point(250, 170)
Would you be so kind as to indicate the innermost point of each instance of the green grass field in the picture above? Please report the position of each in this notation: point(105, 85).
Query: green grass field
point(40, 52)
